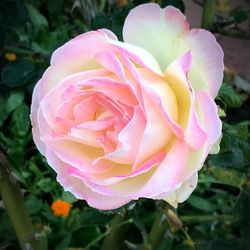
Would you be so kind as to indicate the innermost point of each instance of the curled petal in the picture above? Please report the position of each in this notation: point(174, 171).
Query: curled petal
point(183, 192)
point(210, 118)
point(176, 77)
point(170, 38)
point(80, 190)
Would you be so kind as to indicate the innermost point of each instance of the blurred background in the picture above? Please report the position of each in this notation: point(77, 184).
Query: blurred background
point(215, 217)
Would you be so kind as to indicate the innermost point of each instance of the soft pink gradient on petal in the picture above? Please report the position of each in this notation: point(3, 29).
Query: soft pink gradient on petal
point(210, 118)
point(156, 30)
point(138, 55)
point(129, 139)
point(169, 173)
point(156, 135)
point(111, 62)
point(176, 76)
point(181, 193)
point(36, 132)
point(170, 37)
point(79, 189)
point(208, 65)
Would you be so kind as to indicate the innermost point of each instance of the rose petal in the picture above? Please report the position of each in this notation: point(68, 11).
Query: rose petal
point(210, 118)
point(182, 193)
point(170, 38)
point(129, 139)
point(208, 66)
point(156, 30)
point(79, 189)
point(176, 77)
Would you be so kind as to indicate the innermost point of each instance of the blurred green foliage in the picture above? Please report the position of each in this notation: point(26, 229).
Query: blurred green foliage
point(215, 217)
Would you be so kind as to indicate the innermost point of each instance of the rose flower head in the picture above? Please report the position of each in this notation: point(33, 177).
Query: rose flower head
point(118, 121)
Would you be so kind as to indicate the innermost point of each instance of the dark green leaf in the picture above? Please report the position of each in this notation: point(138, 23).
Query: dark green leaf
point(234, 159)
point(14, 100)
point(46, 184)
point(229, 96)
point(20, 122)
point(33, 204)
point(17, 73)
point(64, 243)
point(67, 196)
point(85, 235)
point(221, 244)
point(201, 203)
point(37, 19)
point(139, 224)
point(91, 216)
point(242, 209)
point(9, 103)
point(227, 176)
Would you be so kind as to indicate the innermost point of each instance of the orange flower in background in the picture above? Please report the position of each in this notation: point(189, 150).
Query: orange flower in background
point(10, 57)
point(61, 208)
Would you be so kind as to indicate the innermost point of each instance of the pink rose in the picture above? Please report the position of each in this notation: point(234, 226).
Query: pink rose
point(119, 121)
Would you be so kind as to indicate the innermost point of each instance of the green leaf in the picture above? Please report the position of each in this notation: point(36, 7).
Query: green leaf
point(17, 73)
point(241, 210)
point(227, 176)
point(9, 103)
point(14, 100)
point(91, 216)
point(229, 96)
point(20, 122)
point(33, 204)
point(200, 203)
point(221, 244)
point(37, 19)
point(139, 224)
point(46, 184)
point(240, 130)
point(233, 159)
point(100, 21)
point(67, 196)
point(85, 235)
point(65, 242)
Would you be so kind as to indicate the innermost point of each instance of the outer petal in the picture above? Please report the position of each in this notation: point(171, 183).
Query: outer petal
point(78, 188)
point(183, 192)
point(165, 34)
point(77, 55)
point(208, 66)
point(156, 30)
point(176, 77)
point(209, 116)
point(33, 116)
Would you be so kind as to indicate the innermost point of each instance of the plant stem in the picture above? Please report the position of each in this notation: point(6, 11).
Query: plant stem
point(102, 5)
point(158, 230)
point(116, 233)
point(15, 207)
point(208, 13)
point(206, 218)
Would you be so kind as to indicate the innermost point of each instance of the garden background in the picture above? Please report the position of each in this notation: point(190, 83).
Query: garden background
point(215, 217)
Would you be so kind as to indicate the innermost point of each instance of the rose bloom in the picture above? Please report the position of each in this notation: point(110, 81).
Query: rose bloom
point(118, 121)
